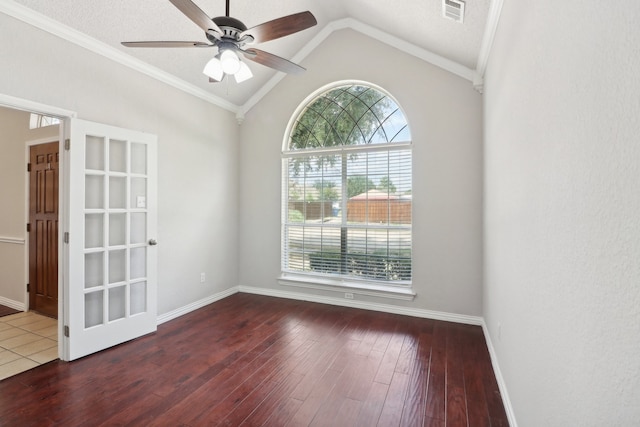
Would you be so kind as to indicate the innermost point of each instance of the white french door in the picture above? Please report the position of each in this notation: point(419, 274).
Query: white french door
point(111, 285)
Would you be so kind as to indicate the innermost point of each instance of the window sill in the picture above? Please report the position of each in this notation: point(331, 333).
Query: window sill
point(354, 287)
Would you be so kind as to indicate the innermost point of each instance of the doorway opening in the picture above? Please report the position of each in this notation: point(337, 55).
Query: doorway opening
point(107, 205)
point(33, 198)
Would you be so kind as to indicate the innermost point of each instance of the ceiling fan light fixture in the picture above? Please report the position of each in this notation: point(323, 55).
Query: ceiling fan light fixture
point(229, 35)
point(214, 69)
point(244, 73)
point(230, 62)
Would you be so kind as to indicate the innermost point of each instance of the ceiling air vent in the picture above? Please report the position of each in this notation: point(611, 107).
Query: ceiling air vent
point(453, 9)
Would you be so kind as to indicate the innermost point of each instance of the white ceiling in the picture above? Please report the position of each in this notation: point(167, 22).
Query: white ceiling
point(416, 26)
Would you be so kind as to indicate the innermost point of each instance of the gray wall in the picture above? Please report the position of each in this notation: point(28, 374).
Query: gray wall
point(197, 150)
point(562, 217)
point(445, 116)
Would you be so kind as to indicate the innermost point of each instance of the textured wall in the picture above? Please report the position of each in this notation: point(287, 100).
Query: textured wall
point(562, 211)
point(444, 113)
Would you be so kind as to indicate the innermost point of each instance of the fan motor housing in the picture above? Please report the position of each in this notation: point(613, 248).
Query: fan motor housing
point(232, 27)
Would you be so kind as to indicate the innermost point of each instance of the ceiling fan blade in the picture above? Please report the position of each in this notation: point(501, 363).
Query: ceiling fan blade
point(166, 44)
point(196, 14)
point(280, 27)
point(272, 61)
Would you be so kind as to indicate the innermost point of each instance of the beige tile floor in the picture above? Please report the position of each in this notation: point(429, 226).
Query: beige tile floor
point(26, 340)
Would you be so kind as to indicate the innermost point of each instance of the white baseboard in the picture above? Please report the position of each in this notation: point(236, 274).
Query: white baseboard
point(162, 318)
point(386, 308)
point(13, 304)
point(506, 401)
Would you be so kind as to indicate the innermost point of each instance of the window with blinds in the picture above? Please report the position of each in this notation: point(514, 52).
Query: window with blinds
point(347, 188)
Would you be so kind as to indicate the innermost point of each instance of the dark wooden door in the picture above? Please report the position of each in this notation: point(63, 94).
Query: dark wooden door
point(43, 235)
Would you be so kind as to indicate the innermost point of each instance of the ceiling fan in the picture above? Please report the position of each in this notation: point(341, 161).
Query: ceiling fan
point(231, 36)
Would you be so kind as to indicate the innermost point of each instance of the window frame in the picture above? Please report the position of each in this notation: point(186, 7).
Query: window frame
point(395, 289)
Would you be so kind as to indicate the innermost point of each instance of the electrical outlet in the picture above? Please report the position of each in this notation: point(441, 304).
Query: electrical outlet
point(348, 295)
point(202, 278)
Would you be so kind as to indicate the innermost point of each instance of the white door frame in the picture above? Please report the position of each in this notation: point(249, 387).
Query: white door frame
point(63, 215)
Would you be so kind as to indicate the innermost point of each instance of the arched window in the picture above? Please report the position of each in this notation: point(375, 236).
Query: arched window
point(39, 121)
point(347, 188)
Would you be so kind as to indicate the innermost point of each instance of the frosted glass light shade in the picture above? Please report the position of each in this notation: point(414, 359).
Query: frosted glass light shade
point(244, 73)
point(230, 62)
point(227, 62)
point(213, 69)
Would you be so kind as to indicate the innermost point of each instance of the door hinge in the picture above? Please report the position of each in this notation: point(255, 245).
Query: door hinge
point(67, 144)
point(66, 331)
point(66, 237)
point(28, 167)
point(28, 227)
point(28, 288)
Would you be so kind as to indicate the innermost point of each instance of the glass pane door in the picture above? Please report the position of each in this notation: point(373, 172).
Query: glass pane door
point(114, 298)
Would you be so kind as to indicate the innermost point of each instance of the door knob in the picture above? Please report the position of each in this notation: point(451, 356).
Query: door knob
point(153, 242)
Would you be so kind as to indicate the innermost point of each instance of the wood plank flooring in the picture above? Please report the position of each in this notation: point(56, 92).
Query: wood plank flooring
point(251, 360)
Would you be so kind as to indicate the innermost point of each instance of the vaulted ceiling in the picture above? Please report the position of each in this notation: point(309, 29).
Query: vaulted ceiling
point(415, 26)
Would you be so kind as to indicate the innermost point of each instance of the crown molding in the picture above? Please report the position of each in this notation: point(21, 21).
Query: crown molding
point(379, 35)
point(69, 34)
point(495, 8)
point(409, 48)
point(478, 83)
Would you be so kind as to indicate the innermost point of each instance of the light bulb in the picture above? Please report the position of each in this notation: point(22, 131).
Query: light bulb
point(213, 69)
point(244, 73)
point(230, 62)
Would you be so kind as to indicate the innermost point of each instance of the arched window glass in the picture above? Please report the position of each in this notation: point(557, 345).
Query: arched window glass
point(349, 115)
point(347, 188)
point(40, 121)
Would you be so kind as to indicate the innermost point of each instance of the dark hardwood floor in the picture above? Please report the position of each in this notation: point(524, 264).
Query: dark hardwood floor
point(251, 360)
point(5, 311)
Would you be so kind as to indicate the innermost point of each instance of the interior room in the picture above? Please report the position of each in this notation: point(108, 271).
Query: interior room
point(525, 174)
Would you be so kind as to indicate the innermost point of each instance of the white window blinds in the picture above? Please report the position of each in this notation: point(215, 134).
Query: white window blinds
point(347, 189)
